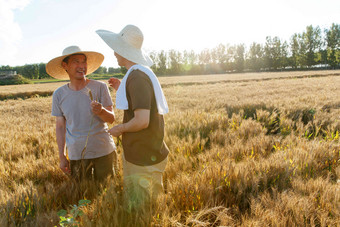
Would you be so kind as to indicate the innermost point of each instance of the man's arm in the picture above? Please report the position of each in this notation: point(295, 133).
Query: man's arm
point(138, 122)
point(61, 134)
point(105, 113)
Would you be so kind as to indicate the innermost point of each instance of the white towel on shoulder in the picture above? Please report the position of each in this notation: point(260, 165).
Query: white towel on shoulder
point(121, 100)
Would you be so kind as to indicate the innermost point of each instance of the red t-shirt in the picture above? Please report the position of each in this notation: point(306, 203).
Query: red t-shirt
point(145, 147)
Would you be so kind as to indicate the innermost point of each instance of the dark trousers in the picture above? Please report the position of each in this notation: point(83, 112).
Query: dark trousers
point(97, 168)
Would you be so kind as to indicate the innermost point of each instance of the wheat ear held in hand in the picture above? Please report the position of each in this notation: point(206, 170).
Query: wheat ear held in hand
point(88, 134)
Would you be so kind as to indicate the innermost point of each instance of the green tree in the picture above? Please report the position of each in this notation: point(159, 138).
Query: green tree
point(284, 55)
point(295, 50)
point(333, 45)
point(204, 61)
point(255, 55)
point(186, 62)
point(268, 53)
point(231, 53)
point(123, 70)
point(220, 58)
point(154, 58)
point(112, 70)
point(42, 71)
point(239, 58)
point(30, 71)
point(302, 57)
point(276, 52)
point(6, 68)
point(175, 58)
point(101, 70)
point(193, 64)
point(312, 41)
point(298, 51)
point(212, 67)
point(162, 62)
point(273, 53)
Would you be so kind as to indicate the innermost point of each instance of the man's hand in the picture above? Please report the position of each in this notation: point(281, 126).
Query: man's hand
point(116, 130)
point(114, 83)
point(96, 107)
point(139, 122)
point(64, 165)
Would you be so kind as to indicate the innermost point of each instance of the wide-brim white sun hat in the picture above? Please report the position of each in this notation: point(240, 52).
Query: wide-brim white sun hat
point(55, 69)
point(127, 43)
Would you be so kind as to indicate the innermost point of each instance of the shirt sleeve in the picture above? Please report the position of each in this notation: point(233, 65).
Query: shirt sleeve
point(56, 110)
point(105, 96)
point(140, 91)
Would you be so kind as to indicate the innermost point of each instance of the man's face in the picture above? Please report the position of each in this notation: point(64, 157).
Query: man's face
point(76, 66)
point(120, 59)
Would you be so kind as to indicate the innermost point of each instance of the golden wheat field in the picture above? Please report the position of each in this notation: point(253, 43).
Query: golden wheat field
point(253, 149)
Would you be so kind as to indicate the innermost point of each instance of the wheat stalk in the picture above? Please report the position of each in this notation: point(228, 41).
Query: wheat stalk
point(88, 133)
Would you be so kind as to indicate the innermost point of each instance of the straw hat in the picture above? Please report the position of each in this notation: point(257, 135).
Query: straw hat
point(55, 69)
point(127, 43)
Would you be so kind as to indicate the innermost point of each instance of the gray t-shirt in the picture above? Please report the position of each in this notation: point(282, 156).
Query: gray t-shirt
point(74, 106)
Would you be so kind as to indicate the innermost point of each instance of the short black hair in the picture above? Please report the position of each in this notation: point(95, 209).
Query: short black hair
point(68, 57)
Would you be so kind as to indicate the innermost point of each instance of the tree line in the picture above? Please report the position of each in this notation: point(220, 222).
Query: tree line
point(38, 71)
point(313, 48)
point(310, 49)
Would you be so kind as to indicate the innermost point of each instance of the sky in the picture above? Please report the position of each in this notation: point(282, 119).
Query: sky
point(35, 31)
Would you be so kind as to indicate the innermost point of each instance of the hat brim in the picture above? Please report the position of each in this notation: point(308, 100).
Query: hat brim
point(115, 42)
point(55, 69)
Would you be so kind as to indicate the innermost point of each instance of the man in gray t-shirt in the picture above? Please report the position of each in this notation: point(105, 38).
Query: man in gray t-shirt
point(82, 107)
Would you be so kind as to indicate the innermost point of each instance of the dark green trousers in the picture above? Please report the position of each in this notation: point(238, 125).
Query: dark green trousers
point(96, 168)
